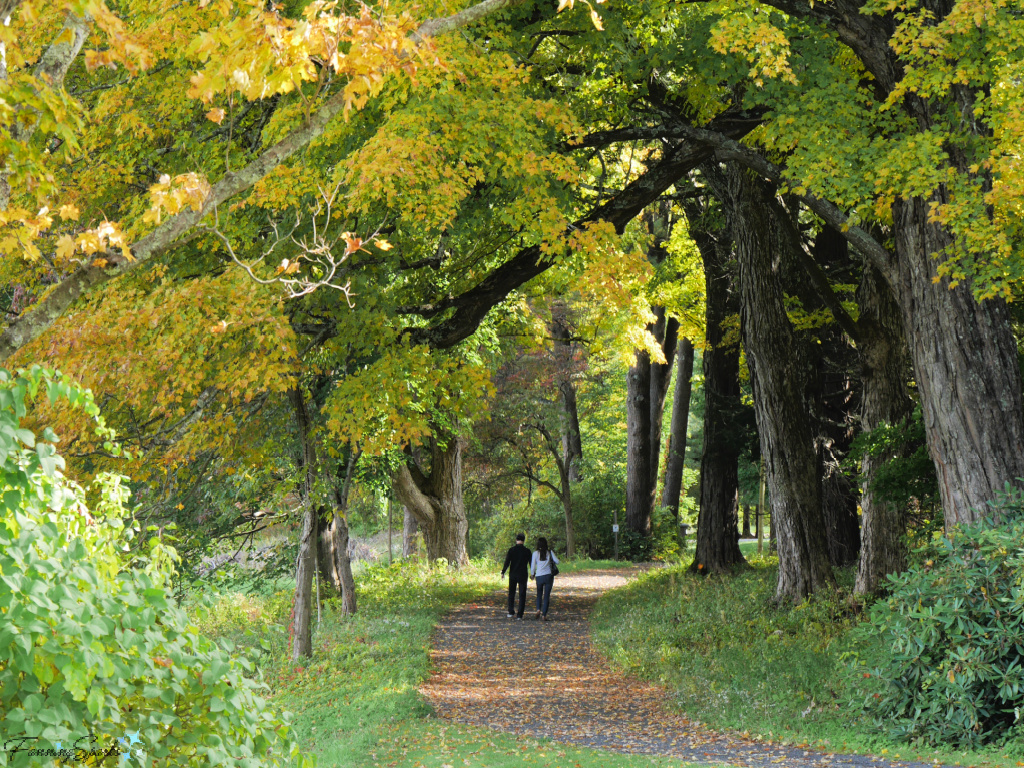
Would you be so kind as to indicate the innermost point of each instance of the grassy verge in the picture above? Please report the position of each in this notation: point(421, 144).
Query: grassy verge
point(574, 566)
point(733, 660)
point(355, 703)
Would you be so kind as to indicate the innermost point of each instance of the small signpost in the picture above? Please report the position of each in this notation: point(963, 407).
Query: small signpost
point(615, 530)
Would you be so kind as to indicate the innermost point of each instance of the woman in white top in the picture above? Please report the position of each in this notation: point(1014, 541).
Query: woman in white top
point(540, 569)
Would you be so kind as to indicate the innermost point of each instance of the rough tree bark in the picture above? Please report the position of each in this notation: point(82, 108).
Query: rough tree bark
point(884, 372)
point(717, 547)
point(676, 451)
point(639, 493)
point(885, 368)
point(833, 397)
point(647, 386)
point(302, 605)
point(436, 499)
point(965, 364)
point(783, 422)
point(667, 334)
point(335, 564)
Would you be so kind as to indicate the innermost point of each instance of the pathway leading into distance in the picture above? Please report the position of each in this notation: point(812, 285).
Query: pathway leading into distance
point(545, 679)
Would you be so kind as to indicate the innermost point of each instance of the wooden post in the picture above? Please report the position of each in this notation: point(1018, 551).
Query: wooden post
point(760, 509)
point(391, 504)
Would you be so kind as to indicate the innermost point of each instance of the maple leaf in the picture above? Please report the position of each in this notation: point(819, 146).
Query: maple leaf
point(596, 19)
point(352, 243)
point(384, 245)
point(216, 115)
point(65, 247)
point(69, 212)
point(220, 327)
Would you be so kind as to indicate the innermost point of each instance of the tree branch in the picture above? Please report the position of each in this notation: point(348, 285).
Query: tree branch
point(818, 277)
point(729, 149)
point(408, 492)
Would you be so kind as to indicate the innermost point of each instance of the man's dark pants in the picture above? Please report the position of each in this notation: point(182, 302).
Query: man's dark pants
point(512, 584)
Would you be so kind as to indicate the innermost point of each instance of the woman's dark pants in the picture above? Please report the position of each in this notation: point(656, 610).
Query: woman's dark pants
point(544, 592)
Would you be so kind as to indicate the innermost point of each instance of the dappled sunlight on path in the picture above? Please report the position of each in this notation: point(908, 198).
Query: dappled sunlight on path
point(545, 679)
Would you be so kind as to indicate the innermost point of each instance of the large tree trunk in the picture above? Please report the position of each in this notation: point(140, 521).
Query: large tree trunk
point(302, 605)
point(340, 564)
point(777, 377)
point(834, 398)
point(675, 454)
point(965, 364)
point(647, 384)
point(639, 491)
point(667, 334)
point(565, 362)
point(436, 500)
point(885, 401)
point(335, 564)
point(718, 546)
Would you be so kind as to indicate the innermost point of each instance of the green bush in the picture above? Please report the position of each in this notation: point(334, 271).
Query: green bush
point(948, 643)
point(94, 654)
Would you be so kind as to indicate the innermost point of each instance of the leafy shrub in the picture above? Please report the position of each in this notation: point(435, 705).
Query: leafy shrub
point(92, 647)
point(906, 477)
point(950, 638)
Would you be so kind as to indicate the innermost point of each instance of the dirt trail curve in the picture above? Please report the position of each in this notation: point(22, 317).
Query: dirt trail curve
point(545, 679)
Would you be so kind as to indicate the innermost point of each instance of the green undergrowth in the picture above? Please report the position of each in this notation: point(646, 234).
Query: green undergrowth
point(732, 659)
point(355, 704)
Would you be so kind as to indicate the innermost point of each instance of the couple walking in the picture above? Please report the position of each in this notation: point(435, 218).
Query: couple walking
point(541, 565)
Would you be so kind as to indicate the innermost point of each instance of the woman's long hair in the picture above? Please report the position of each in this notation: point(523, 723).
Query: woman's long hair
point(542, 548)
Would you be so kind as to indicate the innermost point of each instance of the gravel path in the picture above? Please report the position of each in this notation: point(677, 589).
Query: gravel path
point(545, 679)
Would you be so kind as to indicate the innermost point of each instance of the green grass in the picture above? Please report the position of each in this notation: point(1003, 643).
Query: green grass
point(574, 566)
point(355, 704)
point(732, 659)
point(749, 548)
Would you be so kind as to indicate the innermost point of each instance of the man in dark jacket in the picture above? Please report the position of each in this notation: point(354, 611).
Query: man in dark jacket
point(517, 563)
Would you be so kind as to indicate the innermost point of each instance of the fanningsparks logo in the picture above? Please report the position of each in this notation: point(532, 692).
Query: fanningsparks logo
point(86, 750)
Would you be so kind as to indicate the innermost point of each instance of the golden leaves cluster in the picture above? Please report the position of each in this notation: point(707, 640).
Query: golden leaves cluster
point(143, 342)
point(281, 55)
point(171, 196)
